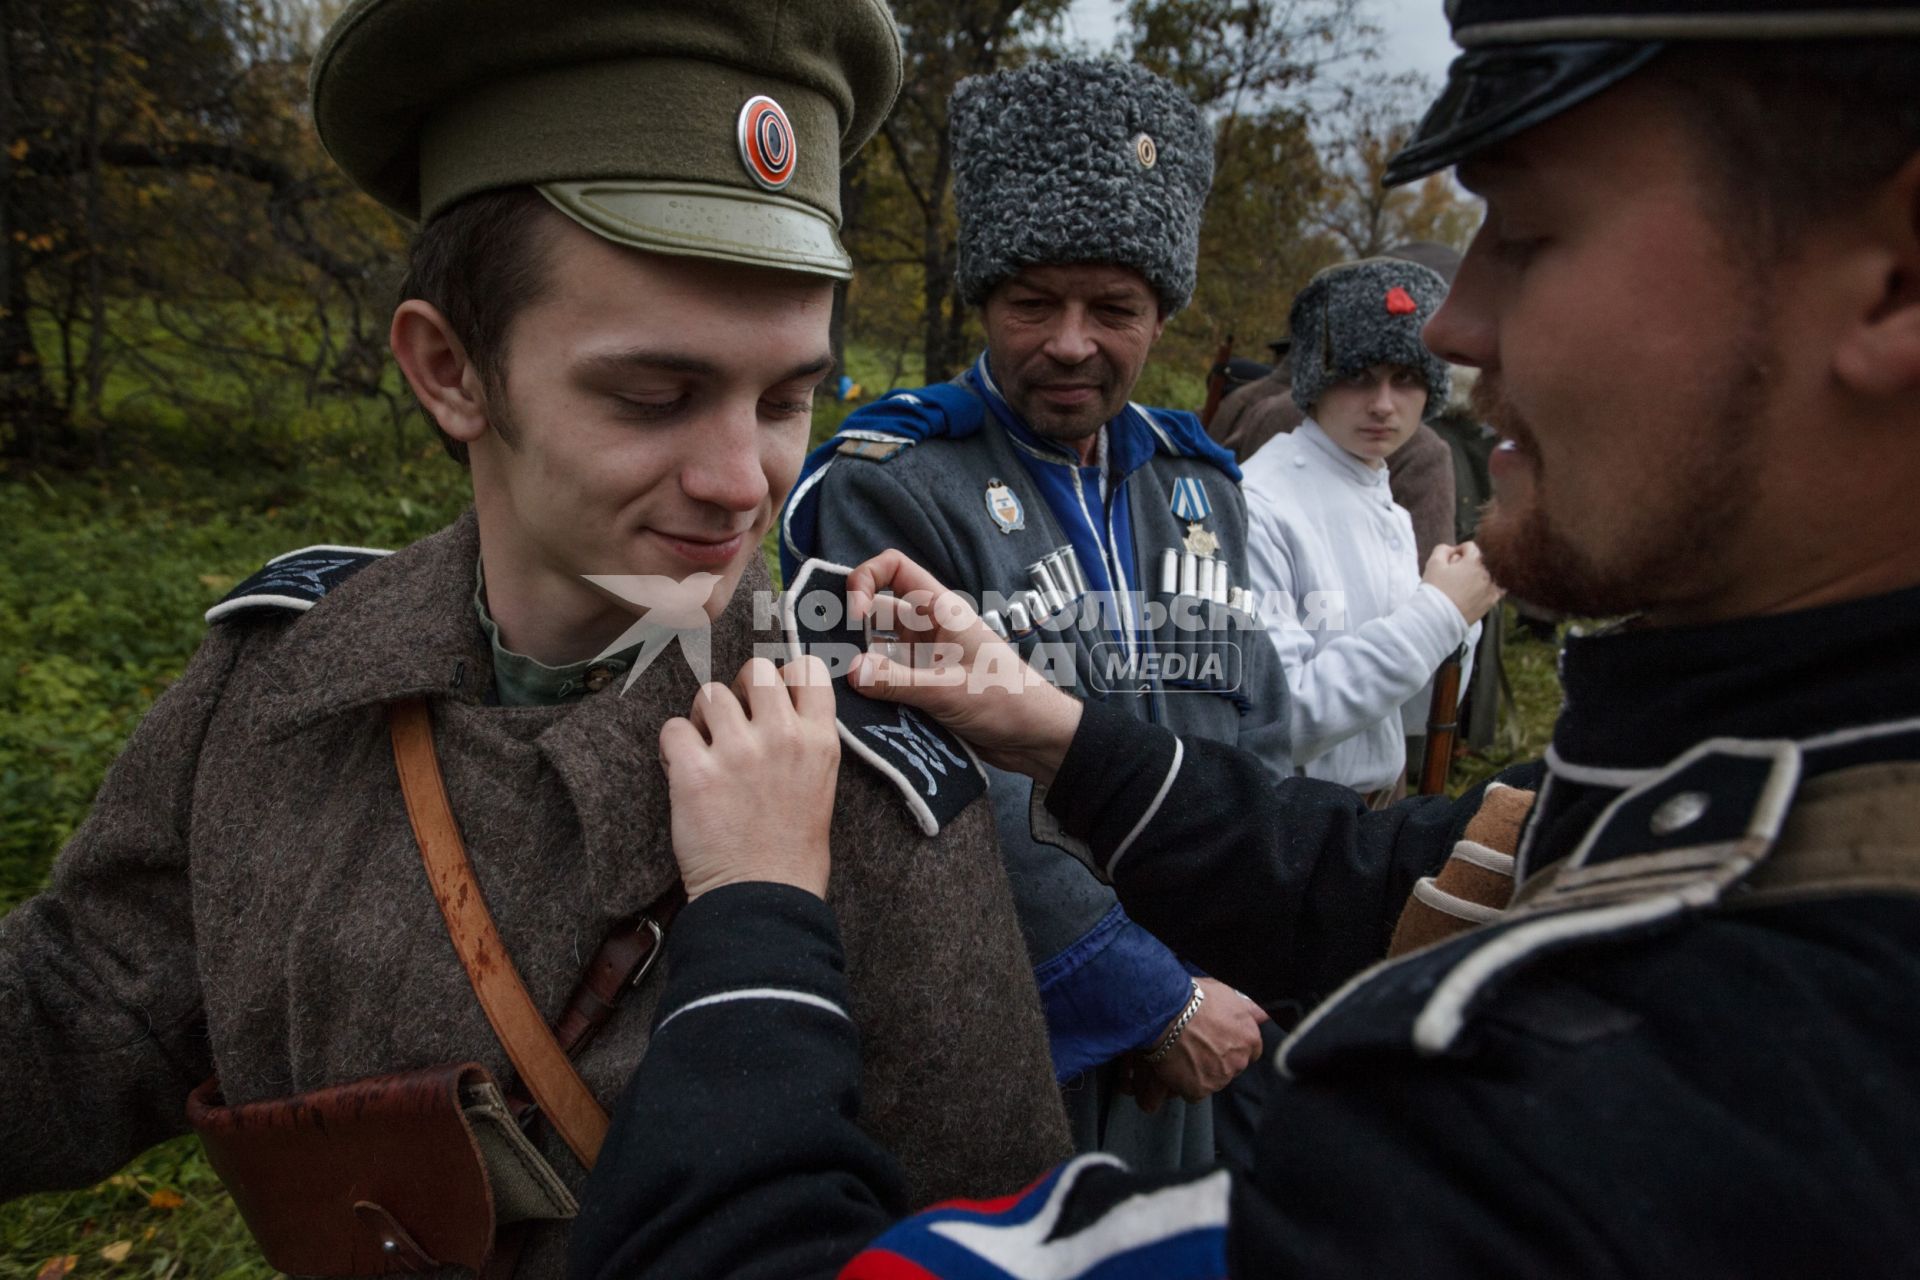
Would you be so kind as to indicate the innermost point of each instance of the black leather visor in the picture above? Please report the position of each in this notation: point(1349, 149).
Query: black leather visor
point(1496, 91)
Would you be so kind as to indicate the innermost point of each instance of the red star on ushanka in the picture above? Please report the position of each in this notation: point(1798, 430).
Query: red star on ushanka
point(1400, 302)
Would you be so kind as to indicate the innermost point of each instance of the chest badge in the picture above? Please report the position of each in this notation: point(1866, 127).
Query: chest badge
point(1200, 541)
point(1191, 504)
point(1004, 507)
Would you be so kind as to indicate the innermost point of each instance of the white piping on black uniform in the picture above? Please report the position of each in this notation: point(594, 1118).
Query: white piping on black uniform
point(754, 993)
point(1159, 798)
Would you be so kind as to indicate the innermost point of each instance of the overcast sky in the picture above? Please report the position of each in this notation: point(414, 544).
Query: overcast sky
point(1417, 38)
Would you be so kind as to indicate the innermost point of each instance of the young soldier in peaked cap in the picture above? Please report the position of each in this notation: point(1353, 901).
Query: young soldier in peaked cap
point(1079, 187)
point(616, 314)
point(1685, 1046)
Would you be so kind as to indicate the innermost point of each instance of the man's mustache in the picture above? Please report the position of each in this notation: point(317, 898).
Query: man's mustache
point(1091, 372)
point(1489, 404)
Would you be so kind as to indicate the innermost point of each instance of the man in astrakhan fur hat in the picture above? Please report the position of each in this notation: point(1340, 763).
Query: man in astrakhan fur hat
point(1080, 519)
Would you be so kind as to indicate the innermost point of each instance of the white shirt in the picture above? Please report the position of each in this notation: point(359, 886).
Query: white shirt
point(1333, 562)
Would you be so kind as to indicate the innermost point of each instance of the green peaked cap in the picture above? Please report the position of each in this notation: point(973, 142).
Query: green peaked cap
point(644, 122)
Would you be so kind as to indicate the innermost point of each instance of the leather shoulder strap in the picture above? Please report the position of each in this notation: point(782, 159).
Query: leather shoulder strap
point(1850, 831)
point(569, 1105)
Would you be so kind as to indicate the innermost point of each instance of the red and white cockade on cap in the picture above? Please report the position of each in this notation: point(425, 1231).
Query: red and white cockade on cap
point(767, 145)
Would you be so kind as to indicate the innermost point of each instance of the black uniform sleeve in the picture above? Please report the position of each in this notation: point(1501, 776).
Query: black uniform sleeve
point(735, 1149)
point(1283, 888)
point(1631, 1111)
point(1406, 1166)
point(736, 1152)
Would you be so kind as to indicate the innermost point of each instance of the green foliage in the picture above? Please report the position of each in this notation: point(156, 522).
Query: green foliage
point(164, 1216)
point(1175, 378)
point(156, 165)
point(1526, 726)
point(102, 591)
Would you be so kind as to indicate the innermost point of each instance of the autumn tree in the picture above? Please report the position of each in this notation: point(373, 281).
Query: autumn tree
point(900, 225)
point(1264, 71)
point(167, 213)
point(1365, 217)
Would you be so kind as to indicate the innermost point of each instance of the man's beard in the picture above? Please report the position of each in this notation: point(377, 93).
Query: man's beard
point(1668, 554)
point(1068, 426)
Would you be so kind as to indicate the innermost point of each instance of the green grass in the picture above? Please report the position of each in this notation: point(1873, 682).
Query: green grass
point(1526, 725)
point(164, 1216)
point(104, 584)
point(101, 591)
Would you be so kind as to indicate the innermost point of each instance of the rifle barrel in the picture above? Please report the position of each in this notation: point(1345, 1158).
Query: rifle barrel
point(1443, 725)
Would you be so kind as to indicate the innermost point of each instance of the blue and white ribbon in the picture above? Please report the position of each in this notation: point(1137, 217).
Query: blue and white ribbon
point(1190, 500)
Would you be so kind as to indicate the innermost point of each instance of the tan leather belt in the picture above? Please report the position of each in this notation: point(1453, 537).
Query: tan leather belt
point(540, 1055)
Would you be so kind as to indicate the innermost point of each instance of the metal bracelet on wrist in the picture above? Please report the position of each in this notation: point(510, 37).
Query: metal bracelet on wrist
point(1161, 1050)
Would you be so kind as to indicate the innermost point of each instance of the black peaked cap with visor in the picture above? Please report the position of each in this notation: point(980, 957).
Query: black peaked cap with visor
point(1526, 61)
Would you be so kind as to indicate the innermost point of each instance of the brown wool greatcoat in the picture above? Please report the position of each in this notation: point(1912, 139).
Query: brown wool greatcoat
point(247, 897)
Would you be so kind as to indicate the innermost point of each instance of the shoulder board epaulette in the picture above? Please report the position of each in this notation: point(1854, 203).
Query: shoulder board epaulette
point(936, 773)
point(1180, 434)
point(870, 446)
point(909, 417)
point(1633, 877)
point(878, 432)
point(296, 581)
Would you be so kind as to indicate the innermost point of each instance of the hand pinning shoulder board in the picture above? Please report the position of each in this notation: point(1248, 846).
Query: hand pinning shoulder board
point(935, 771)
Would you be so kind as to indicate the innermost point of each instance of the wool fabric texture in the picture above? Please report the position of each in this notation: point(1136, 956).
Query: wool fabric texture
point(246, 897)
point(1067, 162)
point(1356, 315)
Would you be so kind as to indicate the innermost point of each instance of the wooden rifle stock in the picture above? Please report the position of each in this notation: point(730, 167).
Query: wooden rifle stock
point(1216, 382)
point(1443, 725)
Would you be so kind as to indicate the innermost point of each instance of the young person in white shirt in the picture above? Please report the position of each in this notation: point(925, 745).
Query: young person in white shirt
point(1359, 628)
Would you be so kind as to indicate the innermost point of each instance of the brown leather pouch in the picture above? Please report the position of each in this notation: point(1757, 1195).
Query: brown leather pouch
point(392, 1174)
point(428, 1168)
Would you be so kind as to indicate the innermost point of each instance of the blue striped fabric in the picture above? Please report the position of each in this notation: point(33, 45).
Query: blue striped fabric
point(1190, 500)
